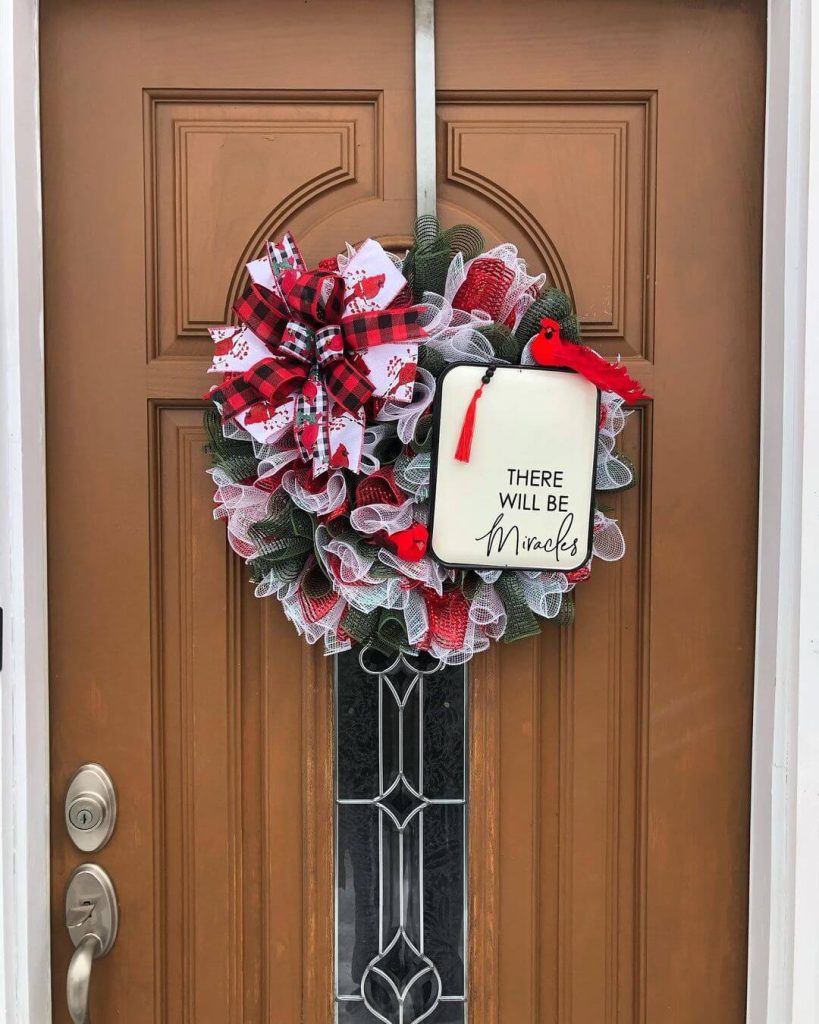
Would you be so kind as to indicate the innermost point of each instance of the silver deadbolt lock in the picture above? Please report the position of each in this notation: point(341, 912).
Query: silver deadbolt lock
point(90, 808)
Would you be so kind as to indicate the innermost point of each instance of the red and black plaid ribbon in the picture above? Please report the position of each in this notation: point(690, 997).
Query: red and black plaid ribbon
point(303, 326)
point(264, 312)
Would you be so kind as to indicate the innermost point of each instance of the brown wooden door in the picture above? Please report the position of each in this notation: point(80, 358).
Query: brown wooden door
point(620, 145)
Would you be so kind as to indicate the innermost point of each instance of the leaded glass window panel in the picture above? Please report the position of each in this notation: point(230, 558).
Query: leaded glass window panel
point(401, 833)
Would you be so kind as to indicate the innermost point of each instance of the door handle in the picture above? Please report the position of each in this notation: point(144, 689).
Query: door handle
point(78, 982)
point(92, 919)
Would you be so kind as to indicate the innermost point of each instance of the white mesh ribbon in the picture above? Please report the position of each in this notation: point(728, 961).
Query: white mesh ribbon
point(275, 583)
point(454, 333)
point(487, 610)
point(350, 251)
point(608, 542)
point(412, 476)
point(334, 645)
point(422, 513)
point(276, 458)
point(406, 416)
point(414, 607)
point(373, 518)
point(612, 473)
point(330, 497)
point(233, 430)
point(375, 434)
point(543, 592)
point(475, 640)
point(353, 579)
point(424, 571)
point(241, 506)
point(354, 562)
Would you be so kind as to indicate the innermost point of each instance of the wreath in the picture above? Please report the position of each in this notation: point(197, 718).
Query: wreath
point(321, 428)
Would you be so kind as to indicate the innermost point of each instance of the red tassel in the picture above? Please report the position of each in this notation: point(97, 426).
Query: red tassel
point(464, 449)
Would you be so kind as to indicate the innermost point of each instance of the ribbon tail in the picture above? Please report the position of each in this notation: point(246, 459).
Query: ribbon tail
point(310, 417)
point(321, 448)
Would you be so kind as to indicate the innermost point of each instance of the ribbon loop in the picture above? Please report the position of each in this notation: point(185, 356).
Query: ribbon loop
point(298, 342)
point(263, 311)
point(312, 375)
point(364, 330)
point(316, 295)
point(329, 345)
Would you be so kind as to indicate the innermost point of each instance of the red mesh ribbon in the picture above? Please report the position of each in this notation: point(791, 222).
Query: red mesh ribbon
point(486, 286)
point(448, 618)
point(579, 575)
point(379, 488)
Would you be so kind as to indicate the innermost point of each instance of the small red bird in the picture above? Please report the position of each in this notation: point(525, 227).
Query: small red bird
point(367, 288)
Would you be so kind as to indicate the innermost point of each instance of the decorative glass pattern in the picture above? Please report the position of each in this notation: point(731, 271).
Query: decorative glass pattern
point(401, 786)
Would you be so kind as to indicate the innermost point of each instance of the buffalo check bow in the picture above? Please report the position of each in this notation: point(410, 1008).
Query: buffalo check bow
point(315, 350)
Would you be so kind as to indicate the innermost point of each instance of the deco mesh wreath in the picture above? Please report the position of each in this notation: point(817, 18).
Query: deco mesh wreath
point(320, 437)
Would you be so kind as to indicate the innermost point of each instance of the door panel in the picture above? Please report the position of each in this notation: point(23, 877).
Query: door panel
point(620, 145)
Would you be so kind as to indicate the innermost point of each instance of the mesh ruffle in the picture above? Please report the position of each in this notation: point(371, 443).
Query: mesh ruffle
point(407, 417)
point(519, 292)
point(453, 333)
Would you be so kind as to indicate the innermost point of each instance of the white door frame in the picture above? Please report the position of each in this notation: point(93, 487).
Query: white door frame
point(783, 980)
point(783, 947)
point(24, 856)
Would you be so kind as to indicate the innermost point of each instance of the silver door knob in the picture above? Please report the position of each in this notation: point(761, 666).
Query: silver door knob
point(92, 918)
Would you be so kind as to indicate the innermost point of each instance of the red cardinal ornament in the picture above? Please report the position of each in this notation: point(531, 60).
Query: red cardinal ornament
point(549, 349)
point(410, 544)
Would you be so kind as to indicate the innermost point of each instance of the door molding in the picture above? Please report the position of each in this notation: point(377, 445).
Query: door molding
point(784, 891)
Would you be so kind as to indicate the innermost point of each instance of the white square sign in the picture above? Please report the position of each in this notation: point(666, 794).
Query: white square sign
point(524, 500)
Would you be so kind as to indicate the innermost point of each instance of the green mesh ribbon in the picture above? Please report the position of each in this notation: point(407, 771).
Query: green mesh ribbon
point(565, 617)
point(521, 621)
point(431, 360)
point(283, 539)
point(469, 583)
point(284, 572)
point(505, 344)
point(554, 304)
point(422, 438)
point(235, 458)
point(428, 259)
point(383, 629)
